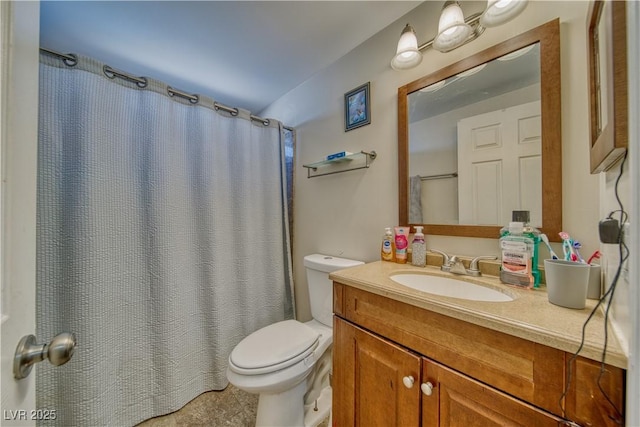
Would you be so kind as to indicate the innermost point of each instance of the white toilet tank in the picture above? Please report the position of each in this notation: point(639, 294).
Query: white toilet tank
point(320, 287)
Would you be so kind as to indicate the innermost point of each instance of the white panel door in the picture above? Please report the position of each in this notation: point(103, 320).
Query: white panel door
point(500, 165)
point(19, 140)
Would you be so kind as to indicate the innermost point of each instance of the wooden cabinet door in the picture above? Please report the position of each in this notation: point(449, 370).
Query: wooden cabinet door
point(368, 374)
point(596, 394)
point(457, 400)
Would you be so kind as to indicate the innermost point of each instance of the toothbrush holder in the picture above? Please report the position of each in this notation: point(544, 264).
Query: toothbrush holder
point(567, 283)
point(594, 290)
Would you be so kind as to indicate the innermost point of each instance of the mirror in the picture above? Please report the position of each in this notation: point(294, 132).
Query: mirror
point(490, 100)
point(607, 50)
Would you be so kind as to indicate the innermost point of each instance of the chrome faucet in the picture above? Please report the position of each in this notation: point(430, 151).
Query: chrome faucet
point(454, 265)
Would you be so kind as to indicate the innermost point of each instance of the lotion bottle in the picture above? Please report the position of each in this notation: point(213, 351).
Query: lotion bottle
point(402, 243)
point(387, 251)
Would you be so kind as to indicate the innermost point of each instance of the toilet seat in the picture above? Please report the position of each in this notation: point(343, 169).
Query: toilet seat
point(273, 348)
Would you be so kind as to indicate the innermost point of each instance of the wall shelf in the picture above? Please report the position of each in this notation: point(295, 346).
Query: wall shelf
point(368, 157)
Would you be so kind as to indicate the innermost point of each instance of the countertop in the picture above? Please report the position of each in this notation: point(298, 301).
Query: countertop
point(529, 316)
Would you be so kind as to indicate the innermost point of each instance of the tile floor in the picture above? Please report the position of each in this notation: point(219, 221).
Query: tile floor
point(231, 407)
point(228, 408)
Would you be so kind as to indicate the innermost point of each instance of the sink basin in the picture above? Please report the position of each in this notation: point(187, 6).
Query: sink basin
point(450, 287)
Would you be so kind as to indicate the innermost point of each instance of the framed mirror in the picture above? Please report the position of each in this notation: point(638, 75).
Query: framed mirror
point(607, 44)
point(482, 137)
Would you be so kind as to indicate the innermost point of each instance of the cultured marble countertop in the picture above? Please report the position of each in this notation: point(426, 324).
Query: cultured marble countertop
point(529, 316)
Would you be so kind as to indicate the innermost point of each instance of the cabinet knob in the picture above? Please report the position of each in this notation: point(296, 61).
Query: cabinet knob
point(427, 388)
point(408, 381)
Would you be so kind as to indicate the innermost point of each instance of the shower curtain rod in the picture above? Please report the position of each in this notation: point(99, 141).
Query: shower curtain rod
point(71, 60)
point(440, 176)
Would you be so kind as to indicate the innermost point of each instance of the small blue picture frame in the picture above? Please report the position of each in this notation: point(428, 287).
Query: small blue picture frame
point(357, 110)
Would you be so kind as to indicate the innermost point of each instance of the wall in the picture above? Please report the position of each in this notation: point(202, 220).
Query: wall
point(345, 214)
point(611, 253)
point(633, 373)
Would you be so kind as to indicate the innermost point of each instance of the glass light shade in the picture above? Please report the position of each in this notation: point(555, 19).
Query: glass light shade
point(472, 71)
point(434, 87)
point(407, 54)
point(517, 54)
point(452, 30)
point(500, 11)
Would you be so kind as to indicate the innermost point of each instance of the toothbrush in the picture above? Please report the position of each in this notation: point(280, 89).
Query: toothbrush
point(576, 247)
point(596, 255)
point(545, 240)
point(567, 246)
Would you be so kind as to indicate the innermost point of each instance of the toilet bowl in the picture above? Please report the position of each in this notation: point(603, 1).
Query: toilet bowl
point(288, 360)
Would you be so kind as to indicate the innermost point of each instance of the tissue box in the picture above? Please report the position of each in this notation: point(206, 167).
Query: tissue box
point(338, 155)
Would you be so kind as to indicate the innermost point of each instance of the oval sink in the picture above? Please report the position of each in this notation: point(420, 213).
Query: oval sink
point(449, 287)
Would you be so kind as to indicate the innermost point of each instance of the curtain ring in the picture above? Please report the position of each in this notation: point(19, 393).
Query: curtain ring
point(71, 60)
point(143, 83)
point(266, 122)
point(108, 72)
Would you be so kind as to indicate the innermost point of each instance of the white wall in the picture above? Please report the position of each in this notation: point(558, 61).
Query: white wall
point(633, 373)
point(345, 214)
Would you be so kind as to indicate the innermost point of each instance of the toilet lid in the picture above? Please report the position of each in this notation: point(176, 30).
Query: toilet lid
point(277, 346)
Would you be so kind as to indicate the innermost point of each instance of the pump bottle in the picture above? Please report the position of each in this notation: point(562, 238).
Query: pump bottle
point(387, 251)
point(418, 249)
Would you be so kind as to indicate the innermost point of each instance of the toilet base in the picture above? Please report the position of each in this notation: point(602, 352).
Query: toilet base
point(282, 409)
point(313, 417)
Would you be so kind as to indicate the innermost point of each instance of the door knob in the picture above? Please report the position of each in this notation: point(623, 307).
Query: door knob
point(408, 381)
point(29, 352)
point(427, 388)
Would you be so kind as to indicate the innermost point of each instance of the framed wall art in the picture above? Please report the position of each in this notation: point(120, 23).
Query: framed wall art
point(357, 107)
point(607, 44)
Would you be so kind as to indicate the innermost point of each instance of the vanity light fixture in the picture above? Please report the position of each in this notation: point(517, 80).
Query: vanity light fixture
point(454, 30)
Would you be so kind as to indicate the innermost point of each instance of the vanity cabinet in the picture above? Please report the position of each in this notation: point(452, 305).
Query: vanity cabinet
point(386, 352)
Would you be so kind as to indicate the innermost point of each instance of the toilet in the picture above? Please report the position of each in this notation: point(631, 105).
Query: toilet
point(287, 363)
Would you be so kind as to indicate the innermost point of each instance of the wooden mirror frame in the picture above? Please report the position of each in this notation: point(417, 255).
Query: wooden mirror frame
point(609, 143)
point(548, 35)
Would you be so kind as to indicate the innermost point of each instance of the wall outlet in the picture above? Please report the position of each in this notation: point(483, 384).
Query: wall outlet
point(626, 229)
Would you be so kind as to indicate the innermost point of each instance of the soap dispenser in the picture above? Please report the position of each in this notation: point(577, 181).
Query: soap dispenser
point(418, 249)
point(387, 250)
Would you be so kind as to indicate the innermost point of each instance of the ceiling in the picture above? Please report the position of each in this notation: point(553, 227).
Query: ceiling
point(241, 53)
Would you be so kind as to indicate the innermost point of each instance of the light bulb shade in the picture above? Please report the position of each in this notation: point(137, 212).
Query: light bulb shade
point(407, 54)
point(500, 11)
point(452, 30)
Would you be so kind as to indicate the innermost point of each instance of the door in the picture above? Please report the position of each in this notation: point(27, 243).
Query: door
point(18, 138)
point(375, 382)
point(500, 165)
point(454, 399)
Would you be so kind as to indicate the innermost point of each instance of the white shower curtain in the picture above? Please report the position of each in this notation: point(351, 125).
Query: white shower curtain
point(162, 241)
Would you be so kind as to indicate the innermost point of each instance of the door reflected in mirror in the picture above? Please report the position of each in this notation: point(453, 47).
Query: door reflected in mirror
point(475, 144)
point(482, 137)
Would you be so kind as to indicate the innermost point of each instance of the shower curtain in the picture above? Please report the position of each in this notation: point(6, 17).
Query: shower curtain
point(162, 241)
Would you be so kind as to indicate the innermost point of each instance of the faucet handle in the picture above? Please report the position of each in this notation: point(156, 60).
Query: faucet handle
point(474, 262)
point(445, 257)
